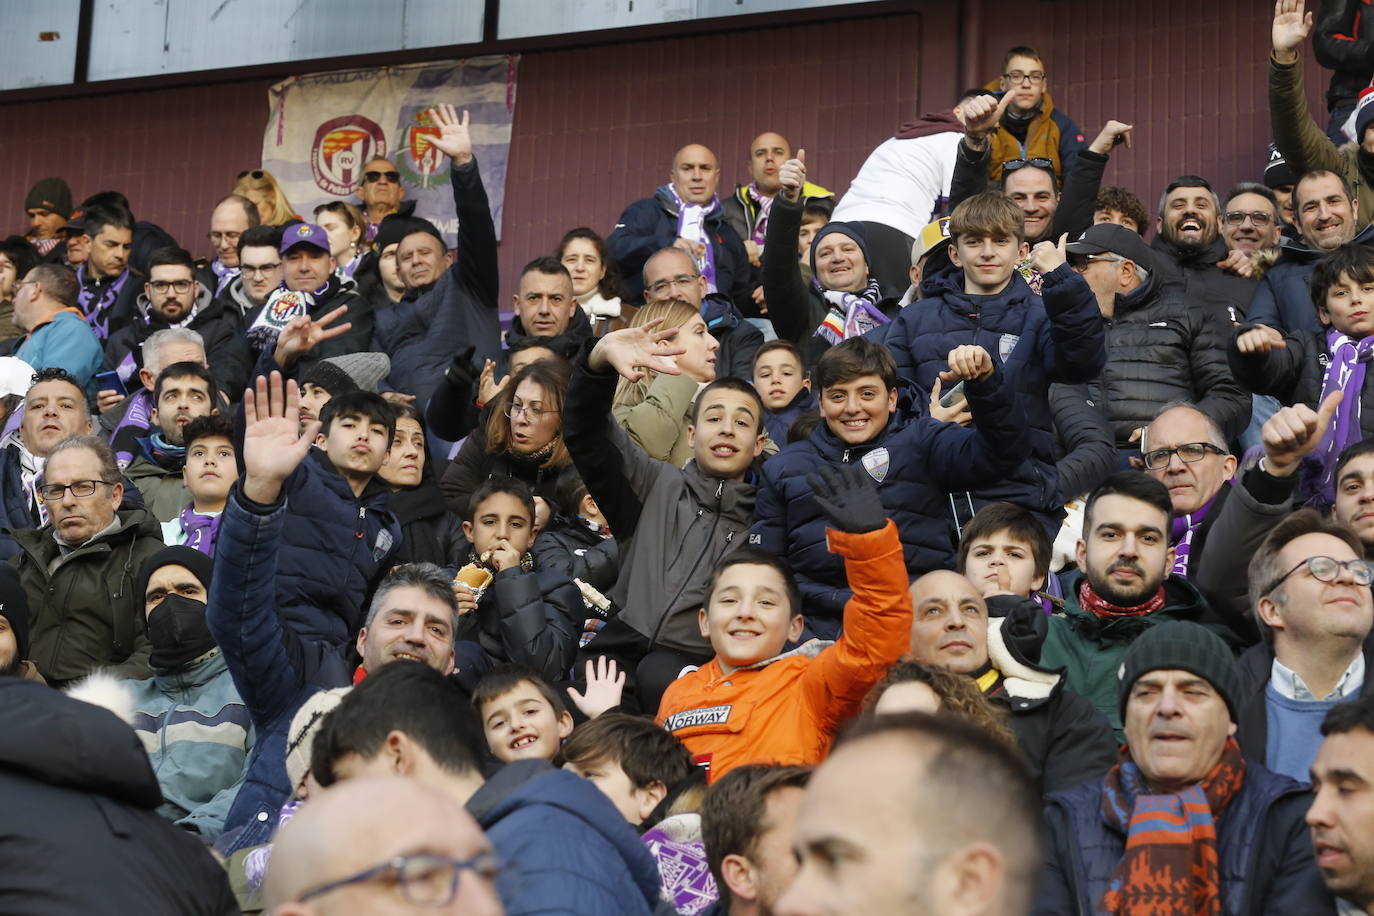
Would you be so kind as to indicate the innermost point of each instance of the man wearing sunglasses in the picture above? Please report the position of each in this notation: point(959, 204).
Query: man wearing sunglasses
point(1310, 588)
point(381, 191)
point(1220, 519)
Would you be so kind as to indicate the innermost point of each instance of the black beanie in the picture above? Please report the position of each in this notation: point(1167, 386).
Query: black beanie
point(1184, 646)
point(200, 565)
point(854, 231)
point(396, 227)
point(14, 607)
point(50, 194)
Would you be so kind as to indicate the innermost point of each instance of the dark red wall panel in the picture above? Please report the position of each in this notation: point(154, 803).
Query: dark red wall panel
point(596, 127)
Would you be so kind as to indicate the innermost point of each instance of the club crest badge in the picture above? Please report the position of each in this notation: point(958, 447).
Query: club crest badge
point(1005, 344)
point(876, 464)
point(341, 148)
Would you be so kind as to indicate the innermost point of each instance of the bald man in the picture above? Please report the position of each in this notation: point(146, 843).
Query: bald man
point(320, 858)
point(684, 213)
point(1064, 739)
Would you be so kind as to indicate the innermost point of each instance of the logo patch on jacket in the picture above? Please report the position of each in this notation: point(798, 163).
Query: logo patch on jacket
point(876, 464)
point(691, 718)
point(1005, 344)
point(383, 545)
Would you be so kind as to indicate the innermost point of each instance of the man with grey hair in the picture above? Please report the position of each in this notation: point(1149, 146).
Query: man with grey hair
point(54, 409)
point(1217, 528)
point(126, 418)
point(1159, 347)
point(881, 804)
point(1310, 588)
point(79, 569)
point(1251, 224)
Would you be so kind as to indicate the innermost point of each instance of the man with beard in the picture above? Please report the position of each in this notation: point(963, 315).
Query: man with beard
point(1325, 208)
point(1125, 588)
point(684, 213)
point(1190, 250)
point(231, 218)
point(183, 392)
point(1341, 818)
point(188, 714)
point(174, 298)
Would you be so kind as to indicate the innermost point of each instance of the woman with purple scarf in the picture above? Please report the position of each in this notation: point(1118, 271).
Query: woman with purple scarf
point(209, 472)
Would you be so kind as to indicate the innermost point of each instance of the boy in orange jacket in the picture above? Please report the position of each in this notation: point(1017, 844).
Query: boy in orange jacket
point(751, 704)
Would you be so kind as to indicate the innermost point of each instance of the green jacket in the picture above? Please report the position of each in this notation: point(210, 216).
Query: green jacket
point(83, 609)
point(1090, 650)
point(164, 492)
point(1304, 145)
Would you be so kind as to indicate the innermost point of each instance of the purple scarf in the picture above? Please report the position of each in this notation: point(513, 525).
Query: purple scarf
point(851, 314)
point(200, 530)
point(765, 205)
point(1183, 529)
point(691, 225)
point(1349, 359)
point(685, 878)
point(96, 302)
point(226, 275)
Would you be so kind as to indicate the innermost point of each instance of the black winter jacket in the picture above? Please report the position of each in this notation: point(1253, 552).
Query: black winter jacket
point(226, 348)
point(1225, 295)
point(1283, 299)
point(1076, 202)
point(430, 532)
point(1086, 453)
point(530, 617)
point(739, 340)
point(74, 778)
point(651, 224)
point(1266, 863)
point(1160, 348)
point(474, 464)
point(1344, 42)
point(568, 546)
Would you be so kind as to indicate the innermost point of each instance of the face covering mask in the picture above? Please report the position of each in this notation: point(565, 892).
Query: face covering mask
point(178, 632)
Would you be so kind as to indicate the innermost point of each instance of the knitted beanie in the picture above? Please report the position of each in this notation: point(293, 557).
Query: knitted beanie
point(854, 230)
point(1184, 646)
point(305, 724)
point(349, 372)
point(396, 227)
point(1364, 113)
point(51, 194)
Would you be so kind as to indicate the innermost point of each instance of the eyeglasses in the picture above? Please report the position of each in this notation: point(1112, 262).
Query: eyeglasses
point(1017, 77)
point(181, 286)
point(1039, 162)
point(371, 177)
point(256, 173)
point(1080, 263)
point(425, 879)
point(534, 413)
point(52, 492)
point(1258, 217)
point(1326, 569)
point(1157, 458)
point(230, 237)
point(681, 280)
point(259, 270)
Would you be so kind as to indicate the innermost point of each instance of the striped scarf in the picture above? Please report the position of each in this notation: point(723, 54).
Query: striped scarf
point(1171, 863)
point(851, 314)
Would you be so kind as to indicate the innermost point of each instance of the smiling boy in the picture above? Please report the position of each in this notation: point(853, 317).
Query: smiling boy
point(752, 703)
point(783, 387)
point(523, 718)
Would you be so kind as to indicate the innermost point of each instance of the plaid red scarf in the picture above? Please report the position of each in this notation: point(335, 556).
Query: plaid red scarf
point(1171, 864)
point(1103, 609)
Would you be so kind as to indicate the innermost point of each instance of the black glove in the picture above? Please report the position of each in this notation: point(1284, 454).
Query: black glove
point(459, 372)
point(848, 498)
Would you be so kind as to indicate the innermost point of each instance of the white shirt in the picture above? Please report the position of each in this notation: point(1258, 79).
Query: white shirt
point(1288, 684)
point(901, 182)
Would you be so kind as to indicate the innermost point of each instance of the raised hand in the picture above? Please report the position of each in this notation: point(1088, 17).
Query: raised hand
point(605, 685)
point(633, 351)
point(303, 334)
point(273, 442)
point(453, 141)
point(1293, 433)
point(1113, 133)
point(848, 497)
point(1291, 28)
point(968, 363)
point(1260, 339)
point(980, 116)
point(487, 385)
point(792, 175)
point(1047, 255)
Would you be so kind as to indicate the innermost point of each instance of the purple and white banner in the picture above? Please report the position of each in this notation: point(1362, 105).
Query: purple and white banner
point(324, 127)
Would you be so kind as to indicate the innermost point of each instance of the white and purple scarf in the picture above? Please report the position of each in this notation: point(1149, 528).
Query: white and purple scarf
point(1183, 530)
point(225, 275)
point(851, 314)
point(96, 299)
point(199, 529)
point(691, 225)
point(1349, 359)
point(765, 205)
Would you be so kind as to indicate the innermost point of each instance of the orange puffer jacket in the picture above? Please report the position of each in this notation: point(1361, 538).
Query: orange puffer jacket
point(785, 710)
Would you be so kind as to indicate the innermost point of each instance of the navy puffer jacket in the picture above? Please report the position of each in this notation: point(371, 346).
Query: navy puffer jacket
point(916, 460)
point(1266, 864)
point(1057, 338)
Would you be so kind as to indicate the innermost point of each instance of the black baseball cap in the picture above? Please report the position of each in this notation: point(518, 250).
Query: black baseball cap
point(1109, 238)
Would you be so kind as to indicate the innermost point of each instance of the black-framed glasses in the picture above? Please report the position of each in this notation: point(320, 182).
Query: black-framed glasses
point(256, 173)
point(682, 281)
point(1018, 77)
point(373, 177)
point(260, 270)
point(1039, 162)
point(1327, 569)
point(161, 286)
point(534, 413)
point(1189, 452)
point(1260, 219)
point(81, 489)
point(425, 879)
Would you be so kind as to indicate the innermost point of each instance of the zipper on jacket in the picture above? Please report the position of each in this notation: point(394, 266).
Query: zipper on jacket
point(663, 618)
point(845, 456)
point(362, 522)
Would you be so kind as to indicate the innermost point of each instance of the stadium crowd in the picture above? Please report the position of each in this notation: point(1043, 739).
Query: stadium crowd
point(947, 548)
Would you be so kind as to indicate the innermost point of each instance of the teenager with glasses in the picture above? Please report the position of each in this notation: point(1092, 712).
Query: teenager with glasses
point(1310, 589)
